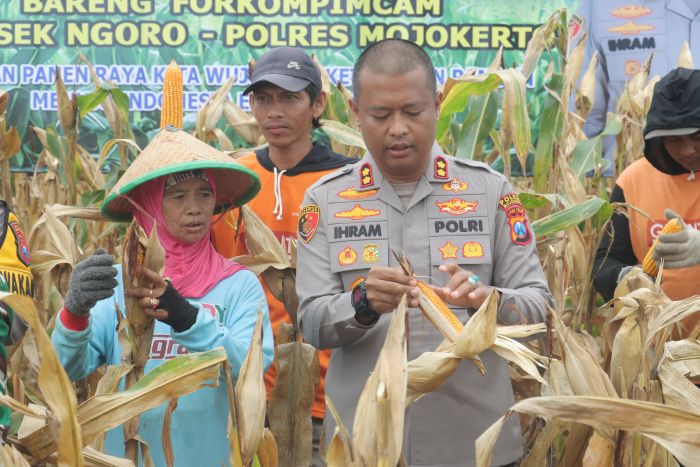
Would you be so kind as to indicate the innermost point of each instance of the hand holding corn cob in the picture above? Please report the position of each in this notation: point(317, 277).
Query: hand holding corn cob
point(385, 286)
point(678, 246)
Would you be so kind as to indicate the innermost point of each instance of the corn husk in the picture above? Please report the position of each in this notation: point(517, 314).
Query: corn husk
point(379, 417)
point(250, 394)
point(289, 409)
point(340, 451)
point(211, 112)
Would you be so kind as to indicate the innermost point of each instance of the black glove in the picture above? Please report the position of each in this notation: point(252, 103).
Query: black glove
point(181, 313)
point(93, 279)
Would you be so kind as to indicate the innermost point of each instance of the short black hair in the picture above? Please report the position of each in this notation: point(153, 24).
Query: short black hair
point(393, 56)
point(313, 93)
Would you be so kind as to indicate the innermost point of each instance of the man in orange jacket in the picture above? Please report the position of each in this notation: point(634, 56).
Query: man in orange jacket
point(287, 101)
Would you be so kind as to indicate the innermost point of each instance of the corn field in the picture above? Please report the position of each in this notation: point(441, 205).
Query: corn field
point(597, 384)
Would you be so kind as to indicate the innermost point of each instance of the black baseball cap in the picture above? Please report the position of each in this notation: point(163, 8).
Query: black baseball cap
point(287, 67)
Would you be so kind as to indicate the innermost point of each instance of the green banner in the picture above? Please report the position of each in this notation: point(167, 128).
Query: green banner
point(130, 42)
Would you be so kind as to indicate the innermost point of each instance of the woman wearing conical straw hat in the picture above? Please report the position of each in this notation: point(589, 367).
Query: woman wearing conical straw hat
point(176, 184)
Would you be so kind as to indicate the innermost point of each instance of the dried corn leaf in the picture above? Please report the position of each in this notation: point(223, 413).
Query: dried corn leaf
point(600, 452)
point(268, 453)
point(684, 355)
point(10, 456)
point(585, 100)
point(516, 353)
point(129, 143)
point(479, 332)
point(94, 458)
point(244, 124)
point(175, 378)
point(261, 240)
point(685, 58)
point(672, 313)
point(109, 383)
point(54, 385)
point(289, 410)
point(515, 116)
point(585, 375)
point(211, 112)
point(250, 395)
point(379, 418)
point(340, 450)
point(674, 429)
point(165, 438)
point(266, 256)
point(678, 391)
point(59, 210)
point(17, 406)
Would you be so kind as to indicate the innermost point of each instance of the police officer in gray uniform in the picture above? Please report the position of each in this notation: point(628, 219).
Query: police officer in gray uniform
point(625, 33)
point(454, 219)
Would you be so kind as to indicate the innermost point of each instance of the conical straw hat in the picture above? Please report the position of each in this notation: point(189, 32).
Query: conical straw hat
point(171, 151)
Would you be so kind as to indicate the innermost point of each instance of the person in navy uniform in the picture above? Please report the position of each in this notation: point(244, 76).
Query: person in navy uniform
point(625, 33)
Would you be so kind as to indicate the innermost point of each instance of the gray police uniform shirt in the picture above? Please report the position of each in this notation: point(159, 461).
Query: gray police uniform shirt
point(625, 33)
point(461, 211)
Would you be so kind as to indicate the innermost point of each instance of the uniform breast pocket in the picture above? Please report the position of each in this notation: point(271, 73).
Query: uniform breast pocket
point(355, 258)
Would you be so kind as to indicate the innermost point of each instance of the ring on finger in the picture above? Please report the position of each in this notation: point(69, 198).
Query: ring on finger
point(154, 302)
point(474, 279)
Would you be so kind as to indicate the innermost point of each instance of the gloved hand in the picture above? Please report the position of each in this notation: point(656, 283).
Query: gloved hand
point(93, 279)
point(678, 250)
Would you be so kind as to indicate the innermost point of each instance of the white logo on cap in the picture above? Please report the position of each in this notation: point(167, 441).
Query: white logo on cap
point(294, 65)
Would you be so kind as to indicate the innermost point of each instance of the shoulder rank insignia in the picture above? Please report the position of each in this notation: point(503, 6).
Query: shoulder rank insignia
point(22, 245)
point(517, 219)
point(366, 176)
point(308, 221)
point(357, 213)
point(455, 185)
point(440, 168)
point(352, 193)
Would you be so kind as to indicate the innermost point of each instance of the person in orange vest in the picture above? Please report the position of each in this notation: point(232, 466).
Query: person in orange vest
point(287, 101)
point(15, 278)
point(663, 184)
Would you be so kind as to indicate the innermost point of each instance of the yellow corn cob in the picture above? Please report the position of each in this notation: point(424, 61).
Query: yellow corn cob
point(171, 110)
point(438, 312)
point(649, 265)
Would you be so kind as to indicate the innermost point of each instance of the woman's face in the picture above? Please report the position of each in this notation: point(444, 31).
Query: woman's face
point(684, 149)
point(187, 210)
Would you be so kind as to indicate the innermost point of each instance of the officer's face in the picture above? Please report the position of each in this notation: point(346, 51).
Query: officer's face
point(187, 210)
point(285, 117)
point(397, 115)
point(684, 149)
